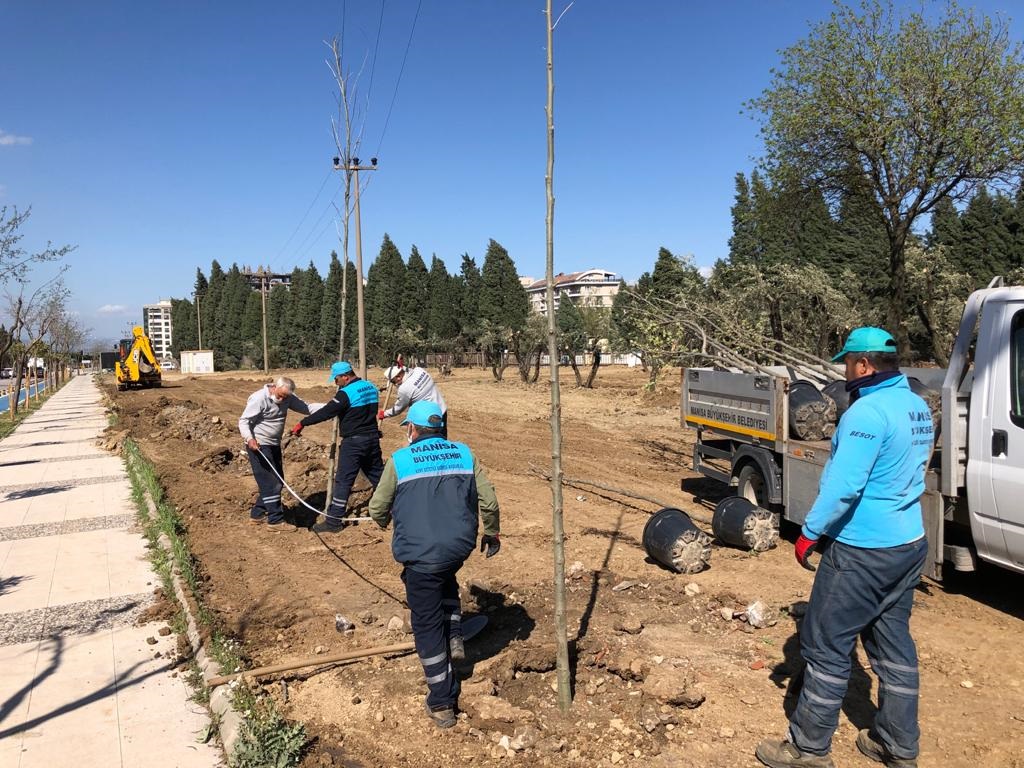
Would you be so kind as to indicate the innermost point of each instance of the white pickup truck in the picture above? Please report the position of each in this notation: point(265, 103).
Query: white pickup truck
point(973, 505)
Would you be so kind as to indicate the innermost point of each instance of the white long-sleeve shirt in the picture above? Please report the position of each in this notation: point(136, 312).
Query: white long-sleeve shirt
point(416, 387)
point(264, 419)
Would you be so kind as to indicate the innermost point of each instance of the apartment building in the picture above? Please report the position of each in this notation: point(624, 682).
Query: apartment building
point(591, 287)
point(156, 322)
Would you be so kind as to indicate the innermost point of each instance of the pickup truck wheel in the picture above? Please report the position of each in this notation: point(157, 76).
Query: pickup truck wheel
point(751, 486)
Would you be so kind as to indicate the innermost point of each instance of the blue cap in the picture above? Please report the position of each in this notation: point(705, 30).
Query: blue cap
point(339, 368)
point(424, 414)
point(867, 339)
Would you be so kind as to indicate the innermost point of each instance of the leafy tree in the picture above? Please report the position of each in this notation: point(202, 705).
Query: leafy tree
point(626, 335)
point(922, 111)
point(15, 261)
point(938, 290)
point(572, 336)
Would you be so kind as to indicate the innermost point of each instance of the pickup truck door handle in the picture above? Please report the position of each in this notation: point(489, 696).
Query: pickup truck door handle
point(999, 442)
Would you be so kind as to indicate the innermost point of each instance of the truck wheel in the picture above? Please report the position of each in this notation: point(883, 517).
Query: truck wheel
point(751, 486)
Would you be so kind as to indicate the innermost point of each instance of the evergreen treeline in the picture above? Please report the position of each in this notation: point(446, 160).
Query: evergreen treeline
point(410, 308)
point(803, 270)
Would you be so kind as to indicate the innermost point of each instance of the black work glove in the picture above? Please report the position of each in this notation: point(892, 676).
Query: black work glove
point(490, 544)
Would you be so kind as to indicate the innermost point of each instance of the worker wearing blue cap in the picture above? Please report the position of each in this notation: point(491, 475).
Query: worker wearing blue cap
point(866, 523)
point(355, 405)
point(435, 490)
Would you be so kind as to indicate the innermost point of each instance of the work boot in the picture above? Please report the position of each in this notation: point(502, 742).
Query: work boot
point(880, 753)
point(258, 520)
point(443, 717)
point(327, 526)
point(281, 527)
point(457, 648)
point(784, 754)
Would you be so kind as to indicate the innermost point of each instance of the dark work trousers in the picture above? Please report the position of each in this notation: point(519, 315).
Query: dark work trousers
point(358, 452)
point(866, 592)
point(268, 502)
point(434, 603)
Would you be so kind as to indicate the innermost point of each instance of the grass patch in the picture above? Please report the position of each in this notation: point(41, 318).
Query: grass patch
point(267, 739)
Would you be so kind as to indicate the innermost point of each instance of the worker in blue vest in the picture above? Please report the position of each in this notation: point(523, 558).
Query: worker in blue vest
point(355, 405)
point(434, 490)
point(866, 523)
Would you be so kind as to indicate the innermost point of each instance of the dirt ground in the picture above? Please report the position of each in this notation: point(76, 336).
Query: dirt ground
point(661, 677)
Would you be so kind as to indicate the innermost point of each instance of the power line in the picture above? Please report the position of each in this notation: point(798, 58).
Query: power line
point(376, 45)
point(297, 251)
point(401, 71)
point(303, 219)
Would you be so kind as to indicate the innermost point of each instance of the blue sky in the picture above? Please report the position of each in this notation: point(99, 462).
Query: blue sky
point(158, 136)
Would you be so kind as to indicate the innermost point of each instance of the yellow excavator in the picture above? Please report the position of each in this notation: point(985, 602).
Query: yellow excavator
point(136, 365)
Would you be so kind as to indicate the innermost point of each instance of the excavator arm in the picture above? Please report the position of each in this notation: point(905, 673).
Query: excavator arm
point(137, 366)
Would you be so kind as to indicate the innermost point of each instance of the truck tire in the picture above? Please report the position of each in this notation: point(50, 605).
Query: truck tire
point(751, 486)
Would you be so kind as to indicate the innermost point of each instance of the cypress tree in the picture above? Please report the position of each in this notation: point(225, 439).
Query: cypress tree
point(442, 319)
point(351, 312)
point(743, 243)
point(252, 329)
point(208, 308)
point(330, 312)
point(503, 300)
point(416, 298)
point(946, 227)
point(310, 301)
point(388, 279)
point(277, 325)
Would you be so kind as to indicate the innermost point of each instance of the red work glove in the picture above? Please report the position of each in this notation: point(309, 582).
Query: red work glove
point(297, 429)
point(803, 549)
point(380, 415)
point(253, 444)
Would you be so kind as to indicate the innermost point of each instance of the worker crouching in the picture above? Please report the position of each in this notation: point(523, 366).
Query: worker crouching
point(434, 490)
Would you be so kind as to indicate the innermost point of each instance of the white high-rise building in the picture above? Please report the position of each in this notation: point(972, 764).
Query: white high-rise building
point(156, 322)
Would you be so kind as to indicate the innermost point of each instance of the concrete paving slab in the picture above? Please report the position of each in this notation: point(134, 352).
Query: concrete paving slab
point(80, 683)
point(65, 503)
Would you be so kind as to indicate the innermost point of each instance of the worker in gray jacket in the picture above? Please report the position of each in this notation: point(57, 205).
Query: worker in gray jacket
point(415, 385)
point(261, 426)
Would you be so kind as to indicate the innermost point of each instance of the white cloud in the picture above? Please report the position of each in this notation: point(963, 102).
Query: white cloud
point(11, 140)
point(705, 272)
point(112, 309)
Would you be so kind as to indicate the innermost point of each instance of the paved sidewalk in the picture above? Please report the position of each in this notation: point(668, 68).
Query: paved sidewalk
point(79, 684)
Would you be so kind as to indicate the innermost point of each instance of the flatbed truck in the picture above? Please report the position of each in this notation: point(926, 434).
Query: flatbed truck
point(973, 505)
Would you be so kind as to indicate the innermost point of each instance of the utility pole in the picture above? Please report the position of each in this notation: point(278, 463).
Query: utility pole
point(352, 165)
point(263, 299)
